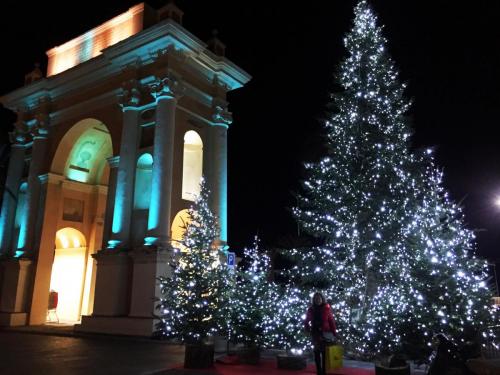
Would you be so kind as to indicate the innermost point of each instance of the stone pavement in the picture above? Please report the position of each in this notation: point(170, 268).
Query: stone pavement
point(57, 351)
point(26, 354)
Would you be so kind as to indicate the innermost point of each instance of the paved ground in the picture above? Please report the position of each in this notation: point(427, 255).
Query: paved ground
point(56, 351)
point(26, 354)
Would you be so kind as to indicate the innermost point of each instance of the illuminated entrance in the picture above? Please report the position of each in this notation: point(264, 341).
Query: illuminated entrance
point(68, 275)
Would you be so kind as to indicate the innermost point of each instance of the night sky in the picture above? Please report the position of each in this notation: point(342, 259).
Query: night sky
point(448, 52)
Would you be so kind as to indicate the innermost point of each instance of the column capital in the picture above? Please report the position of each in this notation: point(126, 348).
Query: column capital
point(51, 178)
point(40, 128)
point(168, 85)
point(113, 161)
point(41, 117)
point(44, 178)
point(21, 132)
point(221, 116)
point(131, 95)
point(18, 136)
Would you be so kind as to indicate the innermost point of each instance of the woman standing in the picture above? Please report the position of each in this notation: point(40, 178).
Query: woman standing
point(321, 325)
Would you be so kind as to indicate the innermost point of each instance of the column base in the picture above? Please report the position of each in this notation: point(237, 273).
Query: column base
point(112, 283)
point(157, 243)
point(13, 319)
point(116, 325)
point(149, 264)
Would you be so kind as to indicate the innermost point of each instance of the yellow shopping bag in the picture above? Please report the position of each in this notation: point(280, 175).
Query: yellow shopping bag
point(334, 357)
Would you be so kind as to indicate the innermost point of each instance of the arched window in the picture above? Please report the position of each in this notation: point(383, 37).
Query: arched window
point(70, 238)
point(181, 220)
point(192, 166)
point(143, 178)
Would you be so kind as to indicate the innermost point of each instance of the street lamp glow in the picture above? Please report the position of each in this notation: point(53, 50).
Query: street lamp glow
point(497, 201)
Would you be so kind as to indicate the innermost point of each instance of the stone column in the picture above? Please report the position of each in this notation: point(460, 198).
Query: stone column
point(51, 188)
point(37, 163)
point(10, 195)
point(110, 199)
point(166, 91)
point(218, 141)
point(125, 178)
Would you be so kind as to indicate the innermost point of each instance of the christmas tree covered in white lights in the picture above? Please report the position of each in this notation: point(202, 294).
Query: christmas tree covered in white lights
point(365, 200)
point(447, 281)
point(194, 300)
point(288, 331)
point(253, 299)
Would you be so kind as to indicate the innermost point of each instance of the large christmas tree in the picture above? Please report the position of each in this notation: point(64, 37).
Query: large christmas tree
point(193, 306)
point(369, 202)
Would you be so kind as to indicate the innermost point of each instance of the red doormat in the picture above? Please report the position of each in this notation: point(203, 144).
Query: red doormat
point(269, 367)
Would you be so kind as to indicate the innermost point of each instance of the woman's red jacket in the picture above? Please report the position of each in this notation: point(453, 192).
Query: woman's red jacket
point(328, 322)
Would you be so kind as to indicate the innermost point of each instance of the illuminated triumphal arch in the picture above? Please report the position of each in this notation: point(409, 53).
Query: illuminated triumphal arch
point(107, 154)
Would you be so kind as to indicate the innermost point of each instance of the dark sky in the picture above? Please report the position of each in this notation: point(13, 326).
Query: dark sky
point(447, 51)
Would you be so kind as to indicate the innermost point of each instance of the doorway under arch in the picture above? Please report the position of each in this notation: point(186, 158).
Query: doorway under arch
point(68, 276)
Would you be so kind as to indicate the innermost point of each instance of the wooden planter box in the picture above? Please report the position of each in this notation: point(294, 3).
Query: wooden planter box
point(291, 362)
point(199, 356)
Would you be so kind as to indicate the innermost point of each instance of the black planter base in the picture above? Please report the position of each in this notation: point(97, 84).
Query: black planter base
point(199, 356)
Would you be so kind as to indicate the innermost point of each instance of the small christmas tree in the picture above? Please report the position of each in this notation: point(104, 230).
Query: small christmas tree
point(251, 308)
point(195, 296)
point(288, 331)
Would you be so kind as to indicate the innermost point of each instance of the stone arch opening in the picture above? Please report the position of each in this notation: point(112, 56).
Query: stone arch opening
point(82, 152)
point(79, 205)
point(192, 165)
point(68, 276)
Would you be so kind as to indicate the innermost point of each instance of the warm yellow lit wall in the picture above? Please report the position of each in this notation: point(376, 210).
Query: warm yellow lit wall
point(91, 43)
point(179, 224)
